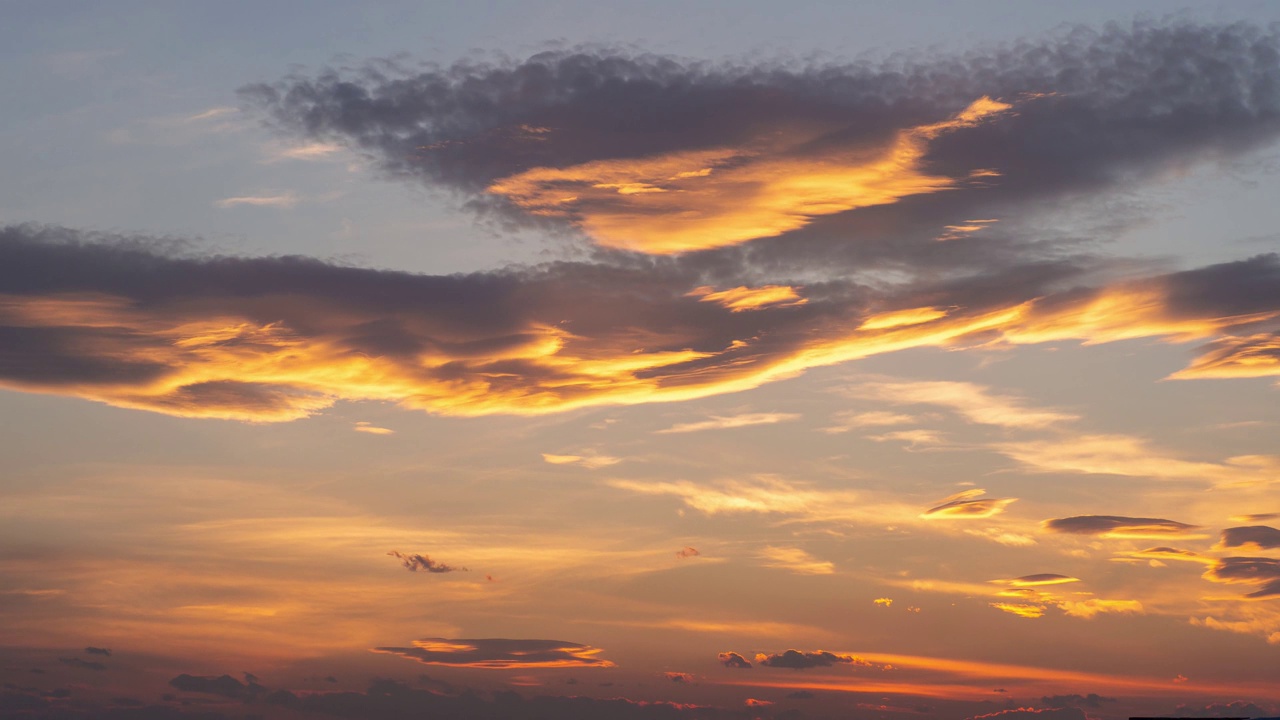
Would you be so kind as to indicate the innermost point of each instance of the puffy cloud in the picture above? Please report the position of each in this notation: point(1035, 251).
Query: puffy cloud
point(687, 552)
point(1261, 537)
point(1115, 526)
point(415, 563)
point(495, 653)
point(753, 702)
point(800, 660)
point(734, 154)
point(886, 602)
point(734, 660)
point(678, 677)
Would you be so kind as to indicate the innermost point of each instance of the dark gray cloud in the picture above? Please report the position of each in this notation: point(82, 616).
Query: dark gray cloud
point(415, 563)
point(734, 660)
point(98, 651)
point(1260, 571)
point(83, 664)
point(1092, 700)
point(499, 653)
point(1118, 525)
point(1262, 536)
point(223, 685)
point(800, 660)
point(1110, 103)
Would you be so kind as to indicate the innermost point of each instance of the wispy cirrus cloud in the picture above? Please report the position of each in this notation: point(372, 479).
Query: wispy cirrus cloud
point(730, 421)
point(280, 200)
point(968, 505)
point(796, 560)
point(975, 403)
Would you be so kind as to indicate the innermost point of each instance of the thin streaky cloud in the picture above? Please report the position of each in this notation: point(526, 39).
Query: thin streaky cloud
point(733, 421)
point(286, 200)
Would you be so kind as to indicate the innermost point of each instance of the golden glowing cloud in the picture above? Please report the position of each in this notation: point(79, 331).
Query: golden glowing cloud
point(796, 560)
point(1236, 357)
point(216, 357)
point(746, 298)
point(702, 199)
point(1026, 611)
point(499, 654)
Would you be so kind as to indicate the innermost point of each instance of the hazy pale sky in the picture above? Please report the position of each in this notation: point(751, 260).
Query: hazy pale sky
point(666, 360)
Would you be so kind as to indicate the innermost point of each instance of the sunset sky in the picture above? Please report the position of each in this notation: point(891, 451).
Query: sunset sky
point(666, 361)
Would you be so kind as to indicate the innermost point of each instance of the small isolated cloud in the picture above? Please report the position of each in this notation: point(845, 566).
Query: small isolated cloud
point(800, 660)
point(734, 660)
point(589, 460)
point(498, 653)
point(1180, 678)
point(795, 560)
point(415, 563)
point(98, 651)
point(1036, 580)
point(964, 506)
point(1260, 537)
point(283, 200)
point(370, 428)
point(82, 664)
point(735, 421)
point(753, 702)
point(678, 677)
point(1115, 526)
point(687, 552)
point(883, 601)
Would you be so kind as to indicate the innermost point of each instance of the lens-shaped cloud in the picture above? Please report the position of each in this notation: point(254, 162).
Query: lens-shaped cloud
point(495, 653)
point(1115, 526)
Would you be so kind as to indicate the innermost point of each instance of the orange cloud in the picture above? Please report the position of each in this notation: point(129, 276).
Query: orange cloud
point(963, 506)
point(499, 654)
point(701, 199)
point(267, 340)
point(1236, 357)
point(744, 298)
point(1026, 611)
